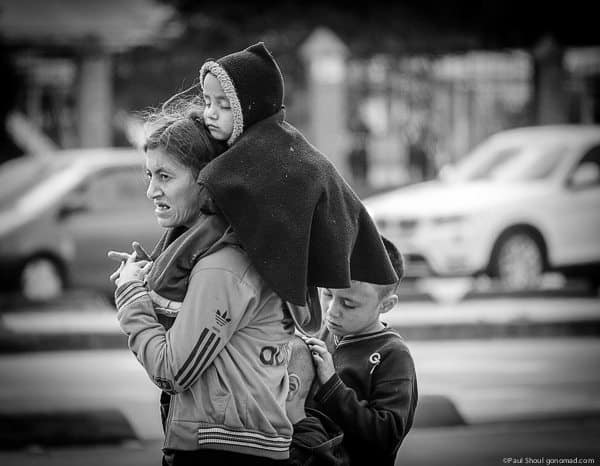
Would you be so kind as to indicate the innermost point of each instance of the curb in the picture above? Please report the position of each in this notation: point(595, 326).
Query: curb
point(21, 430)
point(21, 342)
point(437, 411)
point(33, 342)
point(513, 329)
point(97, 327)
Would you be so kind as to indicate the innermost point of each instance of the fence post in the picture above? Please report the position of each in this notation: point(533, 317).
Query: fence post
point(550, 94)
point(95, 99)
point(325, 57)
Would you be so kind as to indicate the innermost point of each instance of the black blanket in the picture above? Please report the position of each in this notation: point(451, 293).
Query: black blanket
point(299, 221)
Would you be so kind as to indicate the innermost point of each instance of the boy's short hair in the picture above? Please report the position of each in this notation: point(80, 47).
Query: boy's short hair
point(398, 265)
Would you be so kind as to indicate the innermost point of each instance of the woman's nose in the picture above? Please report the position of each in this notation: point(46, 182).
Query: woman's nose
point(152, 190)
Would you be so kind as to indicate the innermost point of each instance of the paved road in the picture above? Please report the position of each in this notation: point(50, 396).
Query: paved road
point(491, 382)
point(493, 445)
point(72, 381)
point(505, 378)
point(481, 445)
point(488, 380)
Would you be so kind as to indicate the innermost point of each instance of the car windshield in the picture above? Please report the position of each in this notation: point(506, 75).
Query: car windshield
point(19, 176)
point(511, 159)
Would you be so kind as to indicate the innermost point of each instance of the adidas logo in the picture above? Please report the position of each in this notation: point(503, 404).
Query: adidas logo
point(222, 318)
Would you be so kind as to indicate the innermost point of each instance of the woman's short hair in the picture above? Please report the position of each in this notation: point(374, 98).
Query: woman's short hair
point(178, 129)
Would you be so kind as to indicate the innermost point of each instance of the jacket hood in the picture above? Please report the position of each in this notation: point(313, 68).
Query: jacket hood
point(252, 81)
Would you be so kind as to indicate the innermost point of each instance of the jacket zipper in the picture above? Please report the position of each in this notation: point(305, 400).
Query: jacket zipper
point(169, 419)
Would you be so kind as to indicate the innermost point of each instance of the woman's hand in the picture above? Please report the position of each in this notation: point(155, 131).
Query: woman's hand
point(122, 257)
point(132, 269)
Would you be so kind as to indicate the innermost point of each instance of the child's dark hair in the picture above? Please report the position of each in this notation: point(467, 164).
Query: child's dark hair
point(178, 129)
point(397, 263)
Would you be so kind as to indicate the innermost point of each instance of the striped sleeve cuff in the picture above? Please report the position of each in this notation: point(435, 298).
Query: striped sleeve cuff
point(130, 292)
point(328, 388)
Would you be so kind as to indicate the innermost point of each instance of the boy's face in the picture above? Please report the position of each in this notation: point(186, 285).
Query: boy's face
point(353, 310)
point(217, 111)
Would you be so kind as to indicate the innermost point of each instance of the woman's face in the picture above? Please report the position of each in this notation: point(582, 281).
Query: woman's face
point(173, 189)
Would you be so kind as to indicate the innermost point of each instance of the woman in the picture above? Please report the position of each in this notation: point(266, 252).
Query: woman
point(224, 359)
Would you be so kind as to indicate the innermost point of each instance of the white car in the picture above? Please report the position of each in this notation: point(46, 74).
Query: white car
point(523, 202)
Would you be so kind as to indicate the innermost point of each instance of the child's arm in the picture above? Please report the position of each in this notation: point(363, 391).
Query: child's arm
point(382, 421)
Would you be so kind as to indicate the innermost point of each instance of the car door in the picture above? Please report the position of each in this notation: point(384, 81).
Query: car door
point(576, 240)
point(112, 212)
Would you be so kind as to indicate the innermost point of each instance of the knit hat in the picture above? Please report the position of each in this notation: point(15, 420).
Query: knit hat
point(253, 83)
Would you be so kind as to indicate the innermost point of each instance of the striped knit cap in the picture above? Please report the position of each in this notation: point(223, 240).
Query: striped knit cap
point(253, 83)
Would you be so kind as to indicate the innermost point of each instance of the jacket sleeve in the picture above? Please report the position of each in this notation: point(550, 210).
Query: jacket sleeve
point(211, 311)
point(381, 422)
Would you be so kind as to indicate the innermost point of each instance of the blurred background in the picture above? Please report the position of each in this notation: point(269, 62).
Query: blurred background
point(471, 131)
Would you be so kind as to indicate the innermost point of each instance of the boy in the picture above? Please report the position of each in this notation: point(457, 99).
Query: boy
point(298, 220)
point(317, 440)
point(367, 378)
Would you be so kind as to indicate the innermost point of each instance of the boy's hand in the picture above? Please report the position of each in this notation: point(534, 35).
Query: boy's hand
point(322, 359)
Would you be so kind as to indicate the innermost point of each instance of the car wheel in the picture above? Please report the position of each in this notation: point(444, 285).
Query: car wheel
point(519, 262)
point(41, 280)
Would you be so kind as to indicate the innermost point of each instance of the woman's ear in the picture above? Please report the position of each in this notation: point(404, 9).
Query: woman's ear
point(294, 387)
point(388, 303)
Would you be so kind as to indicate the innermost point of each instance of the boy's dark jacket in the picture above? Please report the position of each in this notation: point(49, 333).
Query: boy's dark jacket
point(317, 441)
point(299, 221)
point(372, 396)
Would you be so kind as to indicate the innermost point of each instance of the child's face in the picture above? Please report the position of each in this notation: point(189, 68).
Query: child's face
point(217, 111)
point(352, 310)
